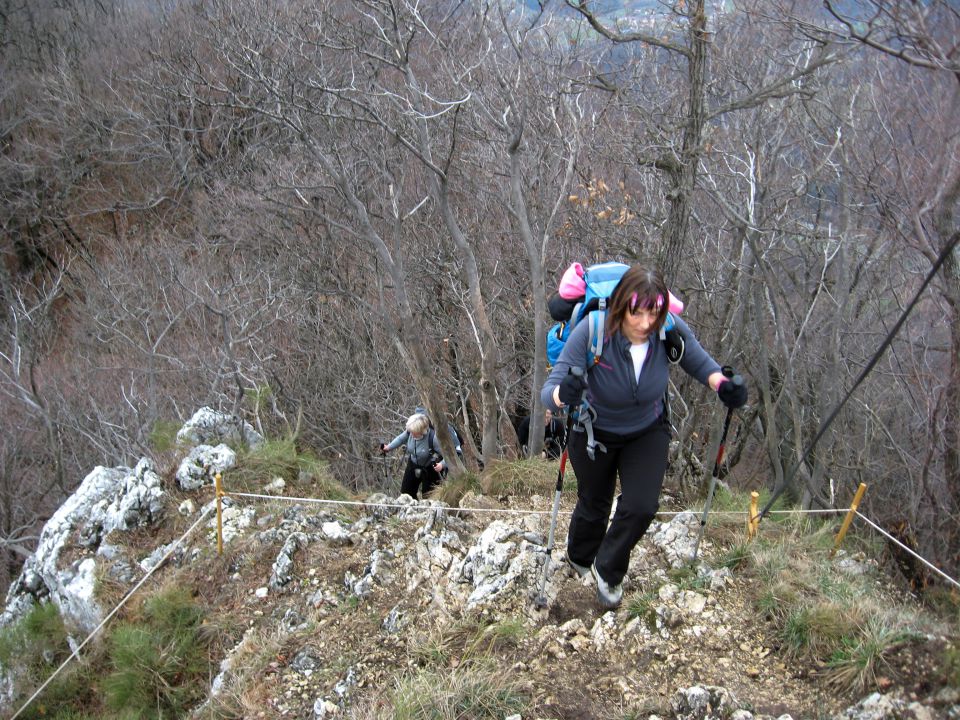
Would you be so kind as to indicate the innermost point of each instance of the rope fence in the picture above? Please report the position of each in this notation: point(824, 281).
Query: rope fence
point(751, 515)
point(503, 511)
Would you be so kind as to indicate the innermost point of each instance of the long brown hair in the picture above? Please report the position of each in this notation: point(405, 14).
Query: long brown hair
point(639, 288)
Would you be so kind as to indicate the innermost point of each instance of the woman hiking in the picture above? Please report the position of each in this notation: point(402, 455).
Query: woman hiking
point(626, 390)
point(424, 457)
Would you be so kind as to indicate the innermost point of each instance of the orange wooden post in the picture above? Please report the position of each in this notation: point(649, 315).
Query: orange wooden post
point(849, 518)
point(753, 522)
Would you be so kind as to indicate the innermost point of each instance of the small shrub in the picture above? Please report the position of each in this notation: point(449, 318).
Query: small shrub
point(280, 458)
point(36, 641)
point(322, 483)
point(158, 662)
point(258, 466)
point(524, 478)
point(67, 697)
point(163, 436)
point(36, 646)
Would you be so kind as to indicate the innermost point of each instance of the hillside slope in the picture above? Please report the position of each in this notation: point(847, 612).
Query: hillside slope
point(390, 607)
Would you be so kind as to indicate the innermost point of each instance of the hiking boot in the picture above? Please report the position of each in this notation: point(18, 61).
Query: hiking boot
point(609, 596)
point(581, 570)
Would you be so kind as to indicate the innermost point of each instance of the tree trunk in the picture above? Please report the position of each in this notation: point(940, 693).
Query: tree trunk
point(682, 171)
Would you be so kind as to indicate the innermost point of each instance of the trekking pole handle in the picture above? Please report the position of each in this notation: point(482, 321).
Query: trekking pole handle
point(731, 375)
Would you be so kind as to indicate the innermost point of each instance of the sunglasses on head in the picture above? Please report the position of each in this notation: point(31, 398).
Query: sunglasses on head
point(649, 303)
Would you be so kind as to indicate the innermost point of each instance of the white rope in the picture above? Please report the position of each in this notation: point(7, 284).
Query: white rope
point(893, 539)
point(505, 511)
point(362, 503)
point(111, 614)
point(663, 513)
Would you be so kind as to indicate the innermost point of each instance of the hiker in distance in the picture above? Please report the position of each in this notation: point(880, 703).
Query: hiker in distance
point(554, 435)
point(626, 391)
point(451, 428)
point(424, 458)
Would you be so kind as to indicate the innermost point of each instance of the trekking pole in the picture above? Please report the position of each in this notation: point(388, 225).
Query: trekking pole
point(383, 466)
point(541, 600)
point(736, 380)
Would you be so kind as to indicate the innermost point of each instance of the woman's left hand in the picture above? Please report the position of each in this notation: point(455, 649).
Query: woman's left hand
point(438, 467)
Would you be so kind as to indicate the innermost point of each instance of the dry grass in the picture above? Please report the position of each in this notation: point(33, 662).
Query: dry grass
point(524, 478)
point(472, 690)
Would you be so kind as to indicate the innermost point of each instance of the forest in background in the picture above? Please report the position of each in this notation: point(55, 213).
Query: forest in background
point(319, 215)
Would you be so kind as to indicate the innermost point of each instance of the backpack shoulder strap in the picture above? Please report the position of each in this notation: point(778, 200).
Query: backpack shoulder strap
point(574, 316)
point(668, 325)
point(597, 320)
point(673, 339)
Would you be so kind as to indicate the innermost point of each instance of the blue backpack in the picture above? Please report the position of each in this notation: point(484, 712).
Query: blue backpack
point(600, 281)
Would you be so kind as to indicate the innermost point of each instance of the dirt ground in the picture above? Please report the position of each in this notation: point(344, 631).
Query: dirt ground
point(553, 660)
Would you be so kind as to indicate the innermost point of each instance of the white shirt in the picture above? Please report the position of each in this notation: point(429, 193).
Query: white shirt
point(639, 354)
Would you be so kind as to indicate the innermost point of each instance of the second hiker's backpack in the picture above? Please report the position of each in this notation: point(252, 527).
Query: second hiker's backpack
point(583, 293)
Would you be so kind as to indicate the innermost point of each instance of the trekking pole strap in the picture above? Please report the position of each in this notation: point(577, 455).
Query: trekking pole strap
point(586, 416)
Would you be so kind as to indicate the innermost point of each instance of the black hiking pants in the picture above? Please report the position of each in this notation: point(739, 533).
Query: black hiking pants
point(415, 476)
point(640, 460)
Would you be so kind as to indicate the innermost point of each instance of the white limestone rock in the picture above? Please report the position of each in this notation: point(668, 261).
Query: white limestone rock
point(108, 499)
point(677, 538)
point(202, 464)
point(208, 427)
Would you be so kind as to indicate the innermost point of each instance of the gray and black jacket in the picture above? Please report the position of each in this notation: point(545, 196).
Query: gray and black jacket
point(424, 452)
point(623, 404)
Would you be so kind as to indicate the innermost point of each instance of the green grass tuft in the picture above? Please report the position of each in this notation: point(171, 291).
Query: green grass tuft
point(36, 646)
point(158, 663)
point(644, 606)
point(163, 436)
point(853, 665)
point(472, 690)
point(816, 630)
point(951, 665)
point(301, 471)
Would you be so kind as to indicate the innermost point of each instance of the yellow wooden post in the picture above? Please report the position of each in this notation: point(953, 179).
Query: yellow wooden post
point(849, 518)
point(753, 522)
point(219, 487)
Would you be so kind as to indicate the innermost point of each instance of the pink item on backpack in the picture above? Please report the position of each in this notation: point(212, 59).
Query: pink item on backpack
point(572, 284)
point(676, 305)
